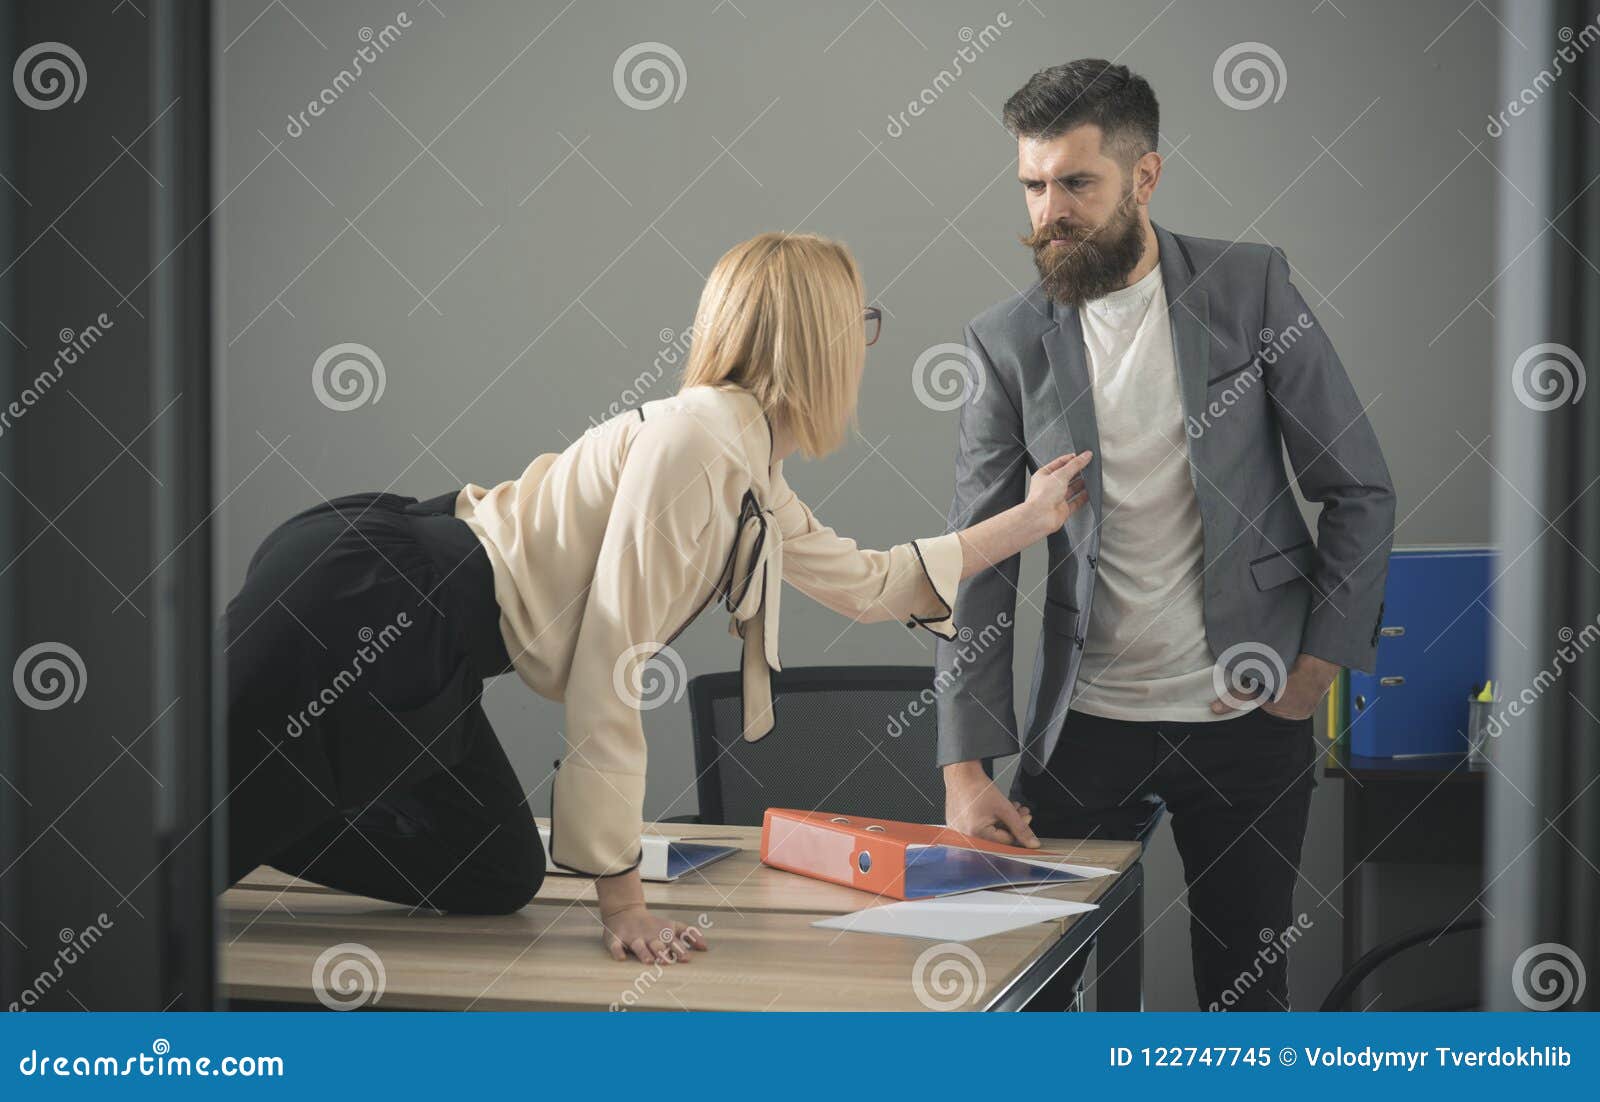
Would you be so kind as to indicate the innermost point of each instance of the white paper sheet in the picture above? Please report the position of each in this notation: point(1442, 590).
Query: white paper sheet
point(965, 917)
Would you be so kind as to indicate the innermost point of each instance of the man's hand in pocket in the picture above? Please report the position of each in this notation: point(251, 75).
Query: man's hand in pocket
point(1303, 690)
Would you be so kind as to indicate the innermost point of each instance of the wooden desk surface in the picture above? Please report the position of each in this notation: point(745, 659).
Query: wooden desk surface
point(765, 953)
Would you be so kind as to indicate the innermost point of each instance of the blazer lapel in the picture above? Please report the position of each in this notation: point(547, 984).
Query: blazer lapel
point(1189, 310)
point(1069, 368)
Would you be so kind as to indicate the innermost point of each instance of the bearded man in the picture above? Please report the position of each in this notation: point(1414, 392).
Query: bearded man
point(1190, 623)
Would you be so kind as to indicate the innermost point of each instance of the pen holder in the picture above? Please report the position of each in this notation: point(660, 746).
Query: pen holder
point(1478, 740)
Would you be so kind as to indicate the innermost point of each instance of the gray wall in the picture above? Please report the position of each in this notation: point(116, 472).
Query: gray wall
point(514, 287)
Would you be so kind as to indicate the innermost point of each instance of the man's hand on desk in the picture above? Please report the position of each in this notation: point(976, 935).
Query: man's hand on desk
point(1305, 686)
point(628, 926)
point(973, 805)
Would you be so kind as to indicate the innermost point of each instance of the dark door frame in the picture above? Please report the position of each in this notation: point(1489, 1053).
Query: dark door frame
point(106, 800)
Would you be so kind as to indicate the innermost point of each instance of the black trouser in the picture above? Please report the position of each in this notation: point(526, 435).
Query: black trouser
point(359, 754)
point(1239, 791)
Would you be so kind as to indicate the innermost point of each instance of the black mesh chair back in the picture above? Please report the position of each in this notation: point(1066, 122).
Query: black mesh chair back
point(857, 740)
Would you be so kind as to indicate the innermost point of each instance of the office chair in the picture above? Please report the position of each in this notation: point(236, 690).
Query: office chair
point(846, 740)
point(1346, 985)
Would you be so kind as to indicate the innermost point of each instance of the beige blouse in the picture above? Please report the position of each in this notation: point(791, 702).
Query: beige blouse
point(604, 552)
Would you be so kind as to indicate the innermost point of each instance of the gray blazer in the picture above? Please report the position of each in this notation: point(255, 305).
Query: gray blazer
point(1257, 373)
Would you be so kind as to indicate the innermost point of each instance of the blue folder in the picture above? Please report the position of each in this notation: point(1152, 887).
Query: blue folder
point(943, 870)
point(1433, 653)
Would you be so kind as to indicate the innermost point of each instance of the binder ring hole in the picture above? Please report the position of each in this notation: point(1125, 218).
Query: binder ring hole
point(876, 828)
point(838, 819)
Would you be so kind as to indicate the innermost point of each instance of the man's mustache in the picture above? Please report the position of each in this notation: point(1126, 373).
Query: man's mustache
point(1061, 231)
point(1056, 231)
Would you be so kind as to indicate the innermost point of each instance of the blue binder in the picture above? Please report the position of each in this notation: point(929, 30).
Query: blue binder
point(1433, 652)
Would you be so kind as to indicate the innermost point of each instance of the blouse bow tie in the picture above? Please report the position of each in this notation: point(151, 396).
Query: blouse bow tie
point(752, 597)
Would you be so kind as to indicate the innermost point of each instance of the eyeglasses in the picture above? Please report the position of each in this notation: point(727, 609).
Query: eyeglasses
point(874, 322)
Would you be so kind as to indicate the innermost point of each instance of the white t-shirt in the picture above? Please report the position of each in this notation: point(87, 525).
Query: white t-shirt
point(1145, 653)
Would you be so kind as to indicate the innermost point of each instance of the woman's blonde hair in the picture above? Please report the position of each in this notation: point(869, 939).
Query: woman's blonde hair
point(781, 317)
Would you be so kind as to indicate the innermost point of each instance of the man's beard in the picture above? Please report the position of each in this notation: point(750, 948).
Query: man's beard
point(1090, 264)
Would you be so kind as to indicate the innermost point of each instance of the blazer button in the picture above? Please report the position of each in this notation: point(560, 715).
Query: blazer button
point(1078, 639)
point(1092, 561)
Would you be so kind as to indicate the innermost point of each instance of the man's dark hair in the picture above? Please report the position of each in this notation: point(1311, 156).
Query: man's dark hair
point(1118, 101)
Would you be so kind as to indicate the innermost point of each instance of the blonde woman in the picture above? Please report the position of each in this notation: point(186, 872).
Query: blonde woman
point(357, 648)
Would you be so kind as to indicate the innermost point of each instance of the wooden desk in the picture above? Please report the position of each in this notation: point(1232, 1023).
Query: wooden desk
point(765, 953)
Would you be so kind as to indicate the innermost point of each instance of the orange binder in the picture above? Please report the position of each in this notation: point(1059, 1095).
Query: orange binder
point(894, 859)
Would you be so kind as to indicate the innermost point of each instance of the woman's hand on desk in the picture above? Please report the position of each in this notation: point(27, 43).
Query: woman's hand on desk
point(628, 926)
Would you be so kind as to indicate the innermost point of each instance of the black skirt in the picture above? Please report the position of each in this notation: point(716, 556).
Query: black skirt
point(356, 652)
